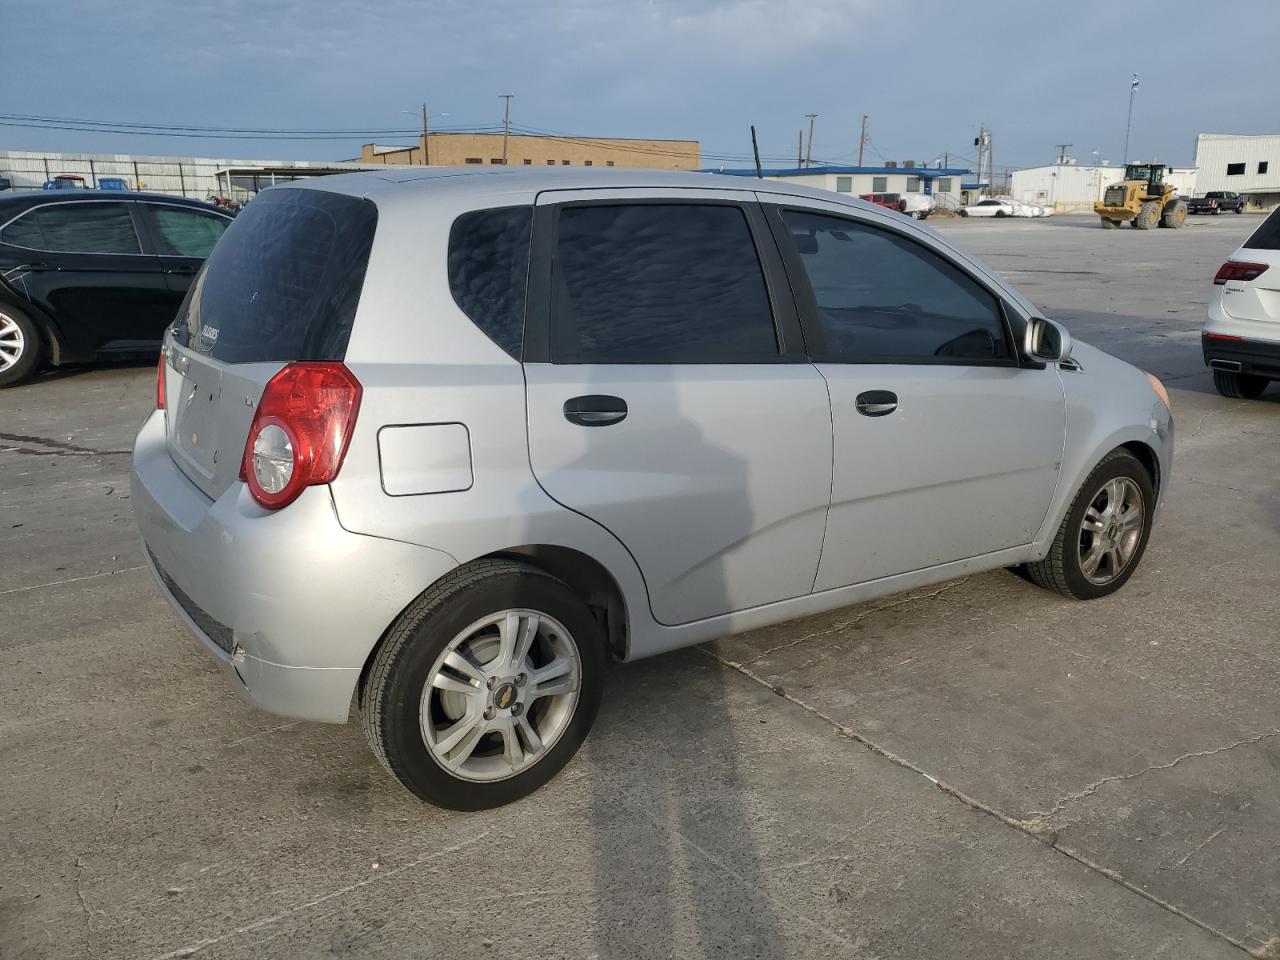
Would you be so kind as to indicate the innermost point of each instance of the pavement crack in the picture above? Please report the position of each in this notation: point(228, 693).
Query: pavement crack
point(59, 583)
point(1201, 845)
point(845, 624)
point(1037, 816)
point(192, 949)
point(1034, 829)
point(84, 906)
point(48, 447)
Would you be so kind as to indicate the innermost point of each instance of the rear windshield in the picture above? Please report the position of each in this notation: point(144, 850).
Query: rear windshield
point(1267, 236)
point(284, 281)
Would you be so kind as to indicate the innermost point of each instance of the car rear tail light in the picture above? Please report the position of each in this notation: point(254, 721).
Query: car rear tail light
point(300, 432)
point(1221, 336)
point(1239, 270)
point(160, 382)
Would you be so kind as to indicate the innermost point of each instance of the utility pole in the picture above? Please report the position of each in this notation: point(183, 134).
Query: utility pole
point(799, 148)
point(426, 143)
point(946, 160)
point(1062, 151)
point(1133, 88)
point(862, 139)
point(506, 122)
point(808, 155)
point(991, 159)
point(980, 141)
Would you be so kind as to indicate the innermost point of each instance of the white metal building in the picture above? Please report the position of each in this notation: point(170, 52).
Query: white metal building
point(1247, 165)
point(942, 184)
point(1073, 187)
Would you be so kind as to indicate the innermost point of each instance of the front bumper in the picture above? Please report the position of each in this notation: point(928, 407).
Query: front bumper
point(287, 602)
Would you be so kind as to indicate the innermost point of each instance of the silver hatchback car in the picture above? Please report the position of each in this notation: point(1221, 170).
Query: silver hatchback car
point(443, 441)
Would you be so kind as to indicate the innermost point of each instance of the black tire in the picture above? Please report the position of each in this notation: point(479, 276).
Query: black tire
point(1239, 386)
point(30, 353)
point(393, 690)
point(1240, 208)
point(1175, 215)
point(964, 213)
point(1060, 570)
point(1217, 211)
point(1148, 215)
point(1001, 213)
point(1108, 223)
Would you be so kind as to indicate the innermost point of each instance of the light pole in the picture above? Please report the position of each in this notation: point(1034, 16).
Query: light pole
point(1133, 88)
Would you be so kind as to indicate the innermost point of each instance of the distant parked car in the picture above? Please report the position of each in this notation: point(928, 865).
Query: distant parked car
point(1215, 201)
point(1241, 335)
point(83, 277)
point(65, 181)
point(989, 208)
point(914, 205)
point(112, 183)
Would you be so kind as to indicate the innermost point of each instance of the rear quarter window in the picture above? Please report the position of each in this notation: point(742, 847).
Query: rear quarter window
point(1267, 236)
point(489, 271)
point(284, 281)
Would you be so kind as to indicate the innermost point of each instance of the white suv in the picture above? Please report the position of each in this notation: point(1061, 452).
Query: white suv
point(1241, 336)
point(444, 440)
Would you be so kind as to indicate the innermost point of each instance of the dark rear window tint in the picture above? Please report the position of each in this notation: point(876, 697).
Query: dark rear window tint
point(1267, 236)
point(75, 228)
point(284, 281)
point(489, 270)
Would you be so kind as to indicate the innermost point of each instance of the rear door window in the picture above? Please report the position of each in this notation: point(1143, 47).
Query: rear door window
point(489, 271)
point(185, 233)
point(284, 281)
point(1267, 236)
point(659, 283)
point(883, 298)
point(75, 228)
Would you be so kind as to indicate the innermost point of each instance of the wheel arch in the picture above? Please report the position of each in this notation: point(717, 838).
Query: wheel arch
point(1147, 456)
point(50, 336)
point(586, 576)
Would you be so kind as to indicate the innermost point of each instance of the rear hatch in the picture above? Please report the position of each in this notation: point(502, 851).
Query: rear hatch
point(281, 285)
point(1257, 299)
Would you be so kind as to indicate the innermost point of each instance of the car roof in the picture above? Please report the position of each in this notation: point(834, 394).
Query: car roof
point(386, 185)
point(18, 202)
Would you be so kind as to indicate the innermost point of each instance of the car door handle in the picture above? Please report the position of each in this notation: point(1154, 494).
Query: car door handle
point(876, 403)
point(185, 271)
point(595, 410)
point(40, 265)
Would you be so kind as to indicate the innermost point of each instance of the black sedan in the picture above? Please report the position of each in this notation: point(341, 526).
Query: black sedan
point(85, 276)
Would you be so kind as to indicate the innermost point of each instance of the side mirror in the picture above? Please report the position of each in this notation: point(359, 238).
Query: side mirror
point(1047, 341)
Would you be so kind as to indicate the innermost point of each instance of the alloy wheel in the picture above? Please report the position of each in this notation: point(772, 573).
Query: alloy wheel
point(12, 342)
point(500, 695)
point(1111, 530)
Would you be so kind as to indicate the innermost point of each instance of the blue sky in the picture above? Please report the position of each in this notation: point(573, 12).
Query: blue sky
point(928, 72)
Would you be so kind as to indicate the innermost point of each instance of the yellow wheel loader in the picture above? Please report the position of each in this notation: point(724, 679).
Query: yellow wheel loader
point(1143, 199)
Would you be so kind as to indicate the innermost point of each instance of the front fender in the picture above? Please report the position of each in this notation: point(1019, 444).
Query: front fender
point(1109, 404)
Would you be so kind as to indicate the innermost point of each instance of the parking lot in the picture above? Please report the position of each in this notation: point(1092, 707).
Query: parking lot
point(978, 769)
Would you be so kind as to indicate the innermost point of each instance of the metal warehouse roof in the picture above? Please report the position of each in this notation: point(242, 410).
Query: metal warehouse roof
point(928, 173)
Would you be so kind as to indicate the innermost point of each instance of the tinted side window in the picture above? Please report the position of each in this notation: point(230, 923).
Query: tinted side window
point(659, 283)
point(76, 228)
point(882, 298)
point(186, 233)
point(489, 270)
point(1267, 236)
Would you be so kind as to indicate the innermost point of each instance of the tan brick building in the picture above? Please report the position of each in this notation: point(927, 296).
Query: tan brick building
point(462, 149)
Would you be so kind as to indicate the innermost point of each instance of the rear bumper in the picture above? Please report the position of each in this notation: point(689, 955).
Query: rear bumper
point(288, 603)
point(1255, 345)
